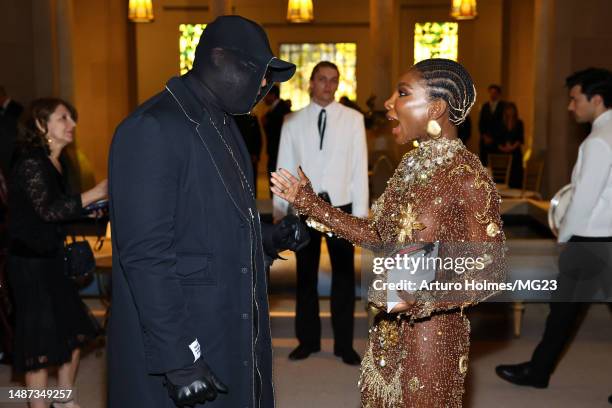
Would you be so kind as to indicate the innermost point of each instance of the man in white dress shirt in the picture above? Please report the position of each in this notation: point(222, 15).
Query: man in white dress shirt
point(328, 141)
point(586, 228)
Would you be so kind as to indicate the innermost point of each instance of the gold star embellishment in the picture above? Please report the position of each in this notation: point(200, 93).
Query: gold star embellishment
point(408, 224)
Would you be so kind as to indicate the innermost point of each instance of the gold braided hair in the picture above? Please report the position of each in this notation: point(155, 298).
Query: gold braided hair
point(449, 80)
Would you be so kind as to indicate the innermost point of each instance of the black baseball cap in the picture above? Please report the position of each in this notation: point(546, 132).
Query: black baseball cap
point(243, 35)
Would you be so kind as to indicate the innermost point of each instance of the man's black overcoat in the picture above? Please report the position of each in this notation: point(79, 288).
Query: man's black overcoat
point(187, 256)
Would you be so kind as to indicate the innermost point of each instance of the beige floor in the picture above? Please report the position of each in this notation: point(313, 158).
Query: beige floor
point(583, 379)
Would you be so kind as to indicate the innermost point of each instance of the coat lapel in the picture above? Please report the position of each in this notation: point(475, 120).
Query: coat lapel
point(212, 144)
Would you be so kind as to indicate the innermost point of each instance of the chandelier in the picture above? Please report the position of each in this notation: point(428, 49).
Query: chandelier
point(300, 11)
point(140, 11)
point(464, 9)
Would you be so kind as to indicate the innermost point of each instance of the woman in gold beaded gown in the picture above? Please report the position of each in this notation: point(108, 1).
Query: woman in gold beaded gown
point(417, 353)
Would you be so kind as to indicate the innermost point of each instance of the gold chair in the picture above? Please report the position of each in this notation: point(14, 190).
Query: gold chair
point(499, 166)
point(518, 309)
point(532, 179)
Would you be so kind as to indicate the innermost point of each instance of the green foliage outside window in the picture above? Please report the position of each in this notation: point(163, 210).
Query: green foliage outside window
point(188, 41)
point(436, 40)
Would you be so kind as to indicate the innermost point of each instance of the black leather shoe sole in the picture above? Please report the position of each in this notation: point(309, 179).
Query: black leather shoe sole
point(301, 353)
point(351, 357)
point(517, 376)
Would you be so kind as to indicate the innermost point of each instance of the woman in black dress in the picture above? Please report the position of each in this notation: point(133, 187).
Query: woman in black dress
point(511, 142)
point(51, 320)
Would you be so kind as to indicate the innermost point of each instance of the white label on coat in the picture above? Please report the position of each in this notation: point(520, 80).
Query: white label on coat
point(195, 349)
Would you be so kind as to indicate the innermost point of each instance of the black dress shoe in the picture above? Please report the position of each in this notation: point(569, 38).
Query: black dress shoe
point(349, 356)
point(521, 374)
point(610, 399)
point(301, 352)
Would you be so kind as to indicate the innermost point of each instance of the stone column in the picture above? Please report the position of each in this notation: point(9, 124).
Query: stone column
point(382, 40)
point(43, 48)
point(64, 27)
point(555, 129)
point(53, 24)
point(540, 50)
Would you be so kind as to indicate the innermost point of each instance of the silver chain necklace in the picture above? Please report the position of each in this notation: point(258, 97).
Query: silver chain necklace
point(231, 152)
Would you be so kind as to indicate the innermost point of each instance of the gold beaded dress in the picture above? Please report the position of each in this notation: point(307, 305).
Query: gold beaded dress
point(440, 193)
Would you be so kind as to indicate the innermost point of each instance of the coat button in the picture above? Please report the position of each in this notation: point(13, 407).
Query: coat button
point(244, 270)
point(245, 363)
point(245, 316)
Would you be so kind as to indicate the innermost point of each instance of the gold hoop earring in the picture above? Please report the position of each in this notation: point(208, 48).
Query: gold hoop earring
point(433, 129)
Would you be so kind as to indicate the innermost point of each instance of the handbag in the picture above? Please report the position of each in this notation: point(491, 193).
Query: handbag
point(79, 261)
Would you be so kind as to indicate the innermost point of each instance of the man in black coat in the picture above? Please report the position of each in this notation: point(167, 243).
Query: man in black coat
point(490, 123)
point(249, 128)
point(273, 123)
point(190, 321)
point(10, 111)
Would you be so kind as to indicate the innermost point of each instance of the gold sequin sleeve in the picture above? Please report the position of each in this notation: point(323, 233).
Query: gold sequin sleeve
point(483, 240)
point(359, 231)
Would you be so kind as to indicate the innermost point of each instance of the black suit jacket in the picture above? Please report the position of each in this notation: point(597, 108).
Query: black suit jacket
point(9, 118)
point(273, 124)
point(490, 122)
point(249, 128)
point(13, 109)
point(187, 256)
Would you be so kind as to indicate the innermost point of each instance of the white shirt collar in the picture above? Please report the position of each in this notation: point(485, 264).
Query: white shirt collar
point(602, 119)
point(317, 108)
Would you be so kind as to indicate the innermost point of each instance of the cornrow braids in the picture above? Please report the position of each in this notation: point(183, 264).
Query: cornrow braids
point(449, 80)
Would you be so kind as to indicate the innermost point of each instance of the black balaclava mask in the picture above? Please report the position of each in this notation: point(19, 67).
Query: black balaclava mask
point(232, 59)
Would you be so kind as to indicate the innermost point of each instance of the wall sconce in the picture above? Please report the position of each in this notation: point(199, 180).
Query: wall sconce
point(140, 11)
point(464, 9)
point(300, 11)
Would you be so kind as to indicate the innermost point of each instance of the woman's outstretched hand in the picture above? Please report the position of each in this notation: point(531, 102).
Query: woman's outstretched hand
point(286, 185)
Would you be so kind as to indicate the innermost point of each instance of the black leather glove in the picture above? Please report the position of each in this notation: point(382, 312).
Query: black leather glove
point(192, 385)
point(290, 233)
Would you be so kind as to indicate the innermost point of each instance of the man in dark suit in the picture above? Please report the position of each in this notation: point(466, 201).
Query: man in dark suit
point(10, 111)
point(249, 128)
point(273, 123)
point(490, 122)
point(190, 319)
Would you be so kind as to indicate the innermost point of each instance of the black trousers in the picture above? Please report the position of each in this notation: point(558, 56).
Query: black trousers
point(307, 320)
point(583, 260)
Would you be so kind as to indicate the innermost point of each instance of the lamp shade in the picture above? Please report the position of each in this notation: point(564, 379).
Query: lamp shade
point(464, 9)
point(140, 11)
point(300, 11)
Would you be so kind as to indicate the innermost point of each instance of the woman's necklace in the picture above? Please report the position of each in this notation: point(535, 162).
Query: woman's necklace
point(422, 162)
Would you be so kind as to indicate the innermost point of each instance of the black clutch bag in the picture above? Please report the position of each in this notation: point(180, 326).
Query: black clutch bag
point(79, 261)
